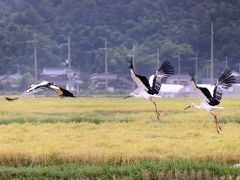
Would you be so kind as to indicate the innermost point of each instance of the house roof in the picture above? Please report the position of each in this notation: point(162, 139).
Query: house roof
point(171, 88)
point(103, 76)
point(183, 76)
point(54, 71)
point(235, 73)
point(10, 77)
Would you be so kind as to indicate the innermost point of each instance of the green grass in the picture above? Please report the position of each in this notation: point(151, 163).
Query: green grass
point(144, 170)
point(229, 119)
point(53, 121)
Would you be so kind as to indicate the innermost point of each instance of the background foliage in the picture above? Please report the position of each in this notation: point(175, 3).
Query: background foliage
point(148, 24)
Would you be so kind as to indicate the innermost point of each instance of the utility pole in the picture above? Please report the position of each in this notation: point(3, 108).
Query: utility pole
point(68, 61)
point(68, 44)
point(158, 63)
point(212, 59)
point(106, 64)
point(179, 65)
point(208, 72)
point(226, 62)
point(35, 57)
point(69, 52)
point(34, 41)
point(196, 66)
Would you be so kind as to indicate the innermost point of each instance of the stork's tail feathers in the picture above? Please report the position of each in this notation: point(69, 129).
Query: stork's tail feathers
point(166, 69)
point(130, 63)
point(226, 79)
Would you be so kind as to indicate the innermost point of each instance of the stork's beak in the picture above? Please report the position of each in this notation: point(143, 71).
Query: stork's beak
point(127, 97)
point(187, 107)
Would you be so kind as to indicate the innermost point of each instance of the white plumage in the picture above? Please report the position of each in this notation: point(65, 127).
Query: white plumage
point(44, 85)
point(211, 97)
point(149, 89)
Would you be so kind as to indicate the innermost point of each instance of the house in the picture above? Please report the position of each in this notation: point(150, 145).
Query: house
point(207, 80)
point(237, 76)
point(173, 90)
point(67, 78)
point(236, 90)
point(182, 79)
point(9, 78)
point(114, 82)
point(9, 81)
point(56, 75)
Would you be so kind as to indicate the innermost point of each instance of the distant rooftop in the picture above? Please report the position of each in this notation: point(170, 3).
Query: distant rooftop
point(182, 76)
point(54, 71)
point(11, 76)
point(235, 73)
point(102, 76)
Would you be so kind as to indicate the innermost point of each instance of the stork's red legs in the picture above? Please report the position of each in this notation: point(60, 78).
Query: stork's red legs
point(218, 127)
point(156, 110)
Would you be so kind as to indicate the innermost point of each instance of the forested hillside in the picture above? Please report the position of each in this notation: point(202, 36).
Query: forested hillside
point(147, 24)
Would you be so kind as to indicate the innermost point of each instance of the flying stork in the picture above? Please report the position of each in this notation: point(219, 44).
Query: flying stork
point(210, 98)
point(149, 89)
point(44, 85)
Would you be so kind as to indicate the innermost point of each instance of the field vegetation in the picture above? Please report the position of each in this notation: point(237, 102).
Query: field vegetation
point(51, 136)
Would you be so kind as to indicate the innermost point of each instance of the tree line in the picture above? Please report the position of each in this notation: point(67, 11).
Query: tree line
point(169, 25)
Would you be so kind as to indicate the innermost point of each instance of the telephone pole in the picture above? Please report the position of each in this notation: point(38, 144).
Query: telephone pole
point(34, 42)
point(212, 59)
point(106, 64)
point(207, 73)
point(68, 44)
point(69, 52)
point(226, 62)
point(179, 65)
point(158, 63)
point(196, 66)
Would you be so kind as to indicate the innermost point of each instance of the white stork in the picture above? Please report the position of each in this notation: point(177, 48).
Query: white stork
point(150, 89)
point(210, 98)
point(44, 85)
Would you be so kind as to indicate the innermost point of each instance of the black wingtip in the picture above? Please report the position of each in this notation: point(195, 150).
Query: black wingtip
point(130, 63)
point(166, 68)
point(66, 93)
point(227, 79)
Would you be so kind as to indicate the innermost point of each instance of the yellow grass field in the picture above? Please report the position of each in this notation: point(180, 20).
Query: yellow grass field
point(116, 131)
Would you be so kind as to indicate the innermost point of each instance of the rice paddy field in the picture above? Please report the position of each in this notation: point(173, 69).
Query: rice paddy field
point(112, 138)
